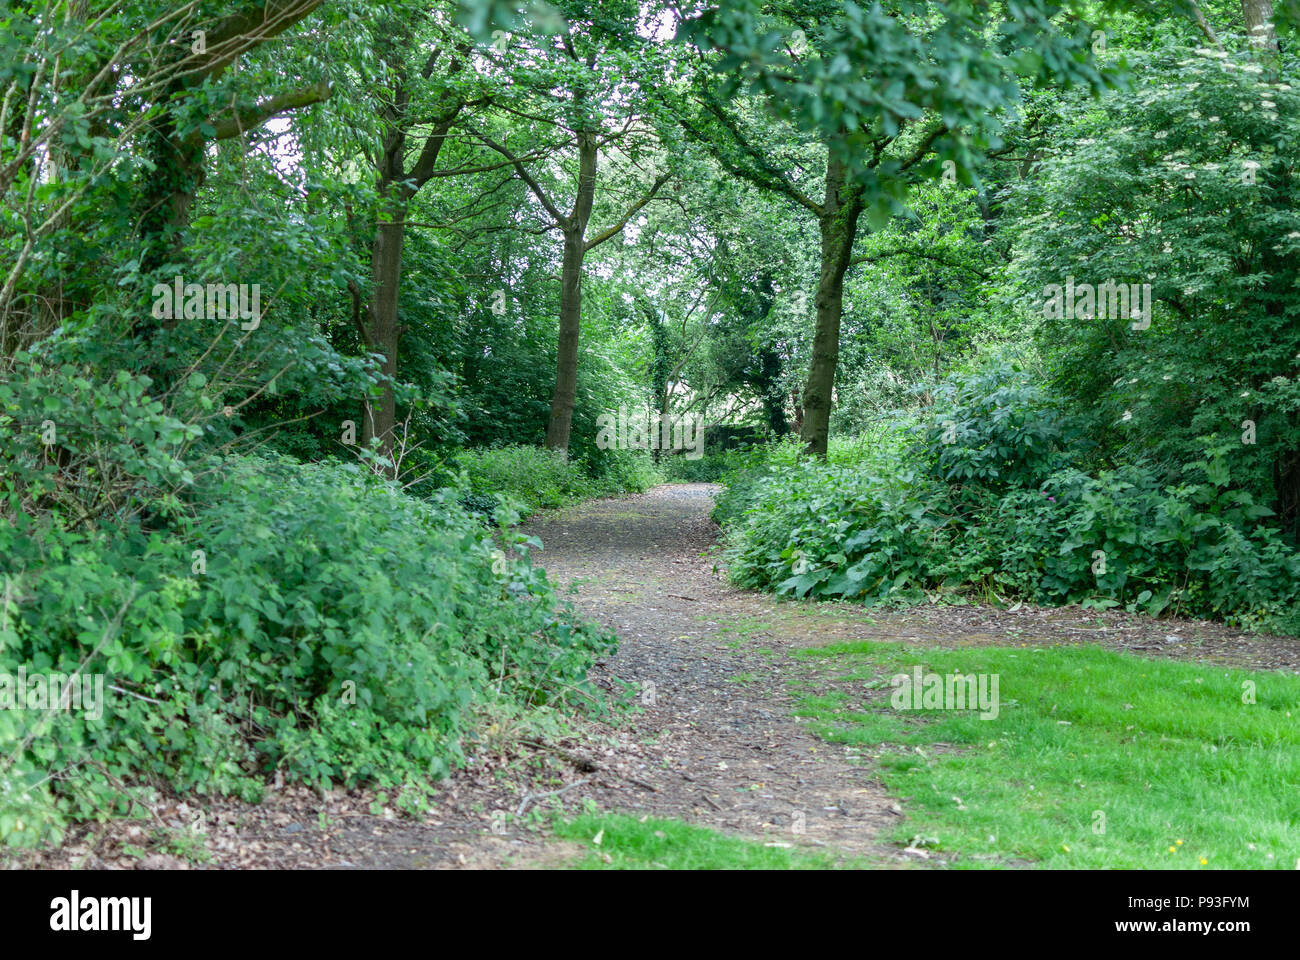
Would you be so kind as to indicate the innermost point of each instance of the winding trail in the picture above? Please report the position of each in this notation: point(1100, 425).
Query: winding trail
point(716, 741)
point(718, 745)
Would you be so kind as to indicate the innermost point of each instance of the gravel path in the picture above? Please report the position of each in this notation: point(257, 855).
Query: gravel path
point(716, 740)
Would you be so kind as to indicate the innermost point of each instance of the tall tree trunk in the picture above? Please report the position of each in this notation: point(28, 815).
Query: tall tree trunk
point(397, 186)
point(560, 423)
point(659, 372)
point(383, 332)
point(168, 190)
point(839, 227)
point(573, 228)
point(565, 396)
point(767, 377)
point(773, 397)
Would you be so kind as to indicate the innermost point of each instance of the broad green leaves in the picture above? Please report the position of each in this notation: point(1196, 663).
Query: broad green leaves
point(863, 73)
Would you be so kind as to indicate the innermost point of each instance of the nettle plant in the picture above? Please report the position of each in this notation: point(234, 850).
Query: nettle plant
point(306, 619)
point(77, 448)
point(995, 427)
point(254, 615)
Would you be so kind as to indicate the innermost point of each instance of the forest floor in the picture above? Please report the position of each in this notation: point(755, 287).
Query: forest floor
point(714, 742)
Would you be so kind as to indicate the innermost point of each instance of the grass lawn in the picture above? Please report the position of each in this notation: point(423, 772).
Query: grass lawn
point(1096, 759)
point(633, 844)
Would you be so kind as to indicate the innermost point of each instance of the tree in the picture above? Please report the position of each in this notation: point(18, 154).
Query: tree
point(876, 88)
point(1188, 187)
point(594, 76)
point(421, 94)
point(190, 110)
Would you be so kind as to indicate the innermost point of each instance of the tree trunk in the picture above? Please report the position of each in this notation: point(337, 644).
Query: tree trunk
point(565, 396)
point(168, 190)
point(560, 423)
point(1262, 34)
point(1286, 485)
point(396, 187)
point(773, 397)
point(382, 331)
point(767, 377)
point(839, 227)
point(659, 372)
point(179, 162)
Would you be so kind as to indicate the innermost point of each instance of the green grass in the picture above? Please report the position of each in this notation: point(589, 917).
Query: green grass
point(633, 844)
point(1166, 752)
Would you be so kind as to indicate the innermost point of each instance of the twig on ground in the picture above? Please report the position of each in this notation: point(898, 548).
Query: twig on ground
point(584, 764)
point(709, 801)
point(534, 797)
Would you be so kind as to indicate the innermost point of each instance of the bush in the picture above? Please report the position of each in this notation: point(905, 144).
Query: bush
point(624, 471)
point(535, 477)
point(993, 507)
point(1120, 538)
point(76, 448)
point(331, 627)
point(711, 467)
point(743, 471)
point(1221, 339)
point(995, 428)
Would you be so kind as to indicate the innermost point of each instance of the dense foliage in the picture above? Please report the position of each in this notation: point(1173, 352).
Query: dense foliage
point(993, 501)
point(304, 306)
point(307, 619)
point(1140, 455)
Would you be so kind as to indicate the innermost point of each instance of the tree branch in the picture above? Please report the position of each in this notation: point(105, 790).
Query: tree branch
point(1205, 25)
point(937, 258)
point(527, 178)
point(614, 230)
point(763, 175)
point(245, 120)
point(924, 146)
point(252, 25)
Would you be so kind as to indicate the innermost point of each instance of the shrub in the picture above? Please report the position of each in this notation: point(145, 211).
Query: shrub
point(76, 447)
point(993, 427)
point(332, 628)
point(831, 532)
point(534, 476)
point(995, 508)
point(624, 471)
point(1120, 538)
point(712, 467)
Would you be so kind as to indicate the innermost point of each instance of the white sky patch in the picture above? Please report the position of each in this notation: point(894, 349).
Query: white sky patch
point(284, 151)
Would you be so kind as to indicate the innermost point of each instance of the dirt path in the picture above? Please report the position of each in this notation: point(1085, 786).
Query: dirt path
point(714, 743)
